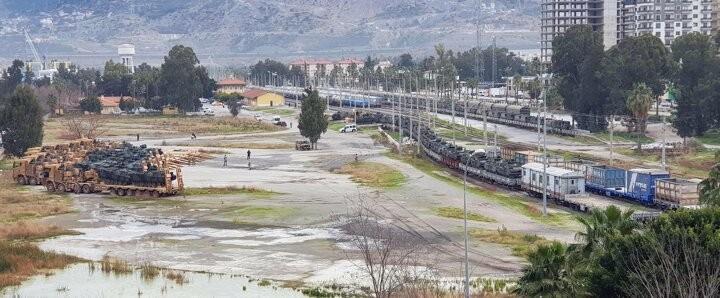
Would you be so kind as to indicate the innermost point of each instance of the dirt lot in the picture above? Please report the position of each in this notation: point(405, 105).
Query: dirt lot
point(287, 232)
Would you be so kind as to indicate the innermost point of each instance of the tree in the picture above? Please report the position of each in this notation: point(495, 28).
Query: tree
point(602, 225)
point(12, 77)
point(639, 102)
point(392, 258)
point(29, 75)
point(643, 59)
point(576, 62)
point(517, 83)
point(234, 111)
point(126, 105)
point(91, 104)
point(179, 82)
point(698, 72)
point(52, 102)
point(534, 89)
point(21, 122)
point(551, 273)
point(672, 256)
point(312, 122)
point(115, 79)
point(710, 186)
point(209, 85)
point(87, 126)
point(406, 61)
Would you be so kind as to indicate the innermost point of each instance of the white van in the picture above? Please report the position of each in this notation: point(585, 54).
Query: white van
point(276, 120)
point(349, 128)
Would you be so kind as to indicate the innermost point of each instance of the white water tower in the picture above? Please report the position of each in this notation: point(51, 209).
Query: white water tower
point(126, 53)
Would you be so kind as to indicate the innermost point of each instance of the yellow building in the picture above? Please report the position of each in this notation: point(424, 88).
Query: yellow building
point(231, 85)
point(262, 98)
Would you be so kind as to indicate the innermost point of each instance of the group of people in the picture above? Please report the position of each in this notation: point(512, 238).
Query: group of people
point(225, 160)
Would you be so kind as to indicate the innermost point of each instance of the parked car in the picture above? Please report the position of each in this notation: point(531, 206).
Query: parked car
point(349, 128)
point(276, 119)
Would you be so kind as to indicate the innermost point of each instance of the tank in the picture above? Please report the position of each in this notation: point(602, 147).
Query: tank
point(606, 176)
point(641, 183)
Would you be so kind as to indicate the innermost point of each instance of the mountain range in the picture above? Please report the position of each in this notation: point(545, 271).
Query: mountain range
point(237, 31)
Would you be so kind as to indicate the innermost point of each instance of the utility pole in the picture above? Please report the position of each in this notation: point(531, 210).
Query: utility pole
point(452, 104)
point(496, 134)
point(485, 138)
point(612, 128)
point(545, 158)
point(663, 144)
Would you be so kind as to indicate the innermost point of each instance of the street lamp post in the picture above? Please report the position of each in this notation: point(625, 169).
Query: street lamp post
point(545, 158)
point(467, 272)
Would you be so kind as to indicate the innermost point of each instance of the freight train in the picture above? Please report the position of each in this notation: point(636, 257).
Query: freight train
point(512, 115)
point(567, 182)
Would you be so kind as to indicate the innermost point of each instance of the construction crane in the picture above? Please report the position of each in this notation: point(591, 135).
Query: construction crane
point(34, 49)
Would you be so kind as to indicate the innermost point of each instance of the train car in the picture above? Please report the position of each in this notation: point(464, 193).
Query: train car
point(641, 184)
point(355, 103)
point(675, 193)
point(605, 180)
point(560, 182)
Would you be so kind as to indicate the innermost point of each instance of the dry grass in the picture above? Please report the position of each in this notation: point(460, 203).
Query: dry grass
point(164, 126)
point(25, 230)
point(18, 261)
point(237, 145)
point(19, 203)
point(177, 276)
point(373, 174)
point(149, 272)
point(520, 243)
point(111, 265)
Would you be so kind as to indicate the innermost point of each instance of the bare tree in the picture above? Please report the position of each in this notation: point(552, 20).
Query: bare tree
point(86, 126)
point(673, 267)
point(394, 260)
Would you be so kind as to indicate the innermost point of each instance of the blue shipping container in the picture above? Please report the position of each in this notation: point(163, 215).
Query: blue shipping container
point(641, 184)
point(606, 176)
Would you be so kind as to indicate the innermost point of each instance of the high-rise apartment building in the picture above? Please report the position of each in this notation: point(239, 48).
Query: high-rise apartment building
point(617, 19)
point(558, 15)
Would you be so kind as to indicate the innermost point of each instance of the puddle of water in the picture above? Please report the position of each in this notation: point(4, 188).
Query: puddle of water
point(78, 281)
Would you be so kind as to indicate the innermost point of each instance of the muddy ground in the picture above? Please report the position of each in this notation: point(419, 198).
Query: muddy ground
point(289, 235)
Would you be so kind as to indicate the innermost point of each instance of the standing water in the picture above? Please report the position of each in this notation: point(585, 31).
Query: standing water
point(84, 280)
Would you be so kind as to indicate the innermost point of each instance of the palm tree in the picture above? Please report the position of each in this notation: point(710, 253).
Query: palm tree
point(639, 102)
point(603, 224)
point(551, 273)
point(710, 187)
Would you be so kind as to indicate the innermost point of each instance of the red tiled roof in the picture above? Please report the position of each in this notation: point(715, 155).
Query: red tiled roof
point(112, 101)
point(231, 82)
point(254, 93)
point(350, 61)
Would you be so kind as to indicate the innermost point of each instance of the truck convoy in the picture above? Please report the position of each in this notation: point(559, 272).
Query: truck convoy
point(88, 166)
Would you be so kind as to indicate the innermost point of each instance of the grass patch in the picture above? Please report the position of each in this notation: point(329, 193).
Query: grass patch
point(22, 203)
point(258, 212)
point(453, 212)
point(373, 174)
point(227, 190)
point(711, 137)
point(624, 137)
point(116, 266)
point(237, 145)
point(336, 125)
point(19, 261)
point(517, 203)
point(520, 243)
point(178, 277)
point(6, 164)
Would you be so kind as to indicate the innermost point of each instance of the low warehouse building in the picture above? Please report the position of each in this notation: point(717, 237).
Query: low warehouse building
point(263, 98)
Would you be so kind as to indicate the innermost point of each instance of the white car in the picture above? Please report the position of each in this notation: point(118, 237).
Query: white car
point(258, 117)
point(349, 128)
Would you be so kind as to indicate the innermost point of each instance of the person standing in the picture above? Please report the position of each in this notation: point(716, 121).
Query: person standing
point(225, 161)
point(249, 165)
point(248, 154)
point(291, 124)
point(138, 137)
